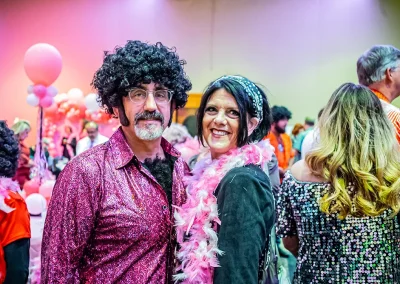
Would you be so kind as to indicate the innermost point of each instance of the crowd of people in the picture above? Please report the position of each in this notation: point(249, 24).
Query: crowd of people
point(234, 199)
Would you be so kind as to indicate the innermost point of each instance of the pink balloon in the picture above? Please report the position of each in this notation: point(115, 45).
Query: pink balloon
point(42, 63)
point(31, 186)
point(51, 110)
point(46, 189)
point(46, 101)
point(39, 91)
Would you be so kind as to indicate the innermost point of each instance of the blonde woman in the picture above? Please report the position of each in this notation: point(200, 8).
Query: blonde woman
point(21, 131)
point(337, 207)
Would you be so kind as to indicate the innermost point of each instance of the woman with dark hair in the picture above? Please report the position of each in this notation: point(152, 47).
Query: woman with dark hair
point(223, 227)
point(14, 217)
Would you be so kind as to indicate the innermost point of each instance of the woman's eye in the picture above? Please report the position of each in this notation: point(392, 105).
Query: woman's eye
point(211, 109)
point(233, 113)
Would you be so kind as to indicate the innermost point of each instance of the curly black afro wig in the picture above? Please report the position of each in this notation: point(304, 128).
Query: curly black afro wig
point(279, 113)
point(9, 151)
point(140, 63)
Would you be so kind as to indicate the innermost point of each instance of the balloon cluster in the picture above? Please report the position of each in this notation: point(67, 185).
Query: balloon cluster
point(73, 106)
point(94, 112)
point(43, 64)
point(39, 95)
point(34, 186)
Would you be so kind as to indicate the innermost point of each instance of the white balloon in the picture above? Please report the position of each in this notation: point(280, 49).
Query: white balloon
point(36, 203)
point(91, 102)
point(75, 95)
point(30, 89)
point(32, 100)
point(60, 98)
point(52, 91)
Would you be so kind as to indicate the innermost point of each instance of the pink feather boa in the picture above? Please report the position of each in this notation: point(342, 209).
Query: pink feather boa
point(198, 253)
point(7, 184)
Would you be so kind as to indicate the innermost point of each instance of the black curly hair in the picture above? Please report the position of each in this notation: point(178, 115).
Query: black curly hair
point(9, 151)
point(245, 107)
point(139, 63)
point(279, 113)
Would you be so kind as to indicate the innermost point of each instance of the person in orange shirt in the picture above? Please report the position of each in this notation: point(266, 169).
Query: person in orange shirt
point(379, 69)
point(279, 139)
point(14, 217)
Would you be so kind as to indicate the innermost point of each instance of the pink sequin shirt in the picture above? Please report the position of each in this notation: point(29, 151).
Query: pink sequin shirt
point(109, 220)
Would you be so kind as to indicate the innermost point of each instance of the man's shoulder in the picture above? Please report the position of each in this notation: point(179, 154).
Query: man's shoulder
point(387, 107)
point(83, 140)
point(286, 138)
point(309, 135)
point(89, 160)
point(103, 138)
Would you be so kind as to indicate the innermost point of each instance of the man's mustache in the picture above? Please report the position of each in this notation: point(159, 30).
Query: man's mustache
point(147, 115)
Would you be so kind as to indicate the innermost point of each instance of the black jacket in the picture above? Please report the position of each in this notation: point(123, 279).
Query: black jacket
point(247, 213)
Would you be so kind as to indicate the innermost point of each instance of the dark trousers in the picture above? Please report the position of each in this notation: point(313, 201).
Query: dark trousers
point(16, 256)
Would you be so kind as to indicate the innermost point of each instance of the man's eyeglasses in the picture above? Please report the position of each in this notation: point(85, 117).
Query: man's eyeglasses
point(139, 96)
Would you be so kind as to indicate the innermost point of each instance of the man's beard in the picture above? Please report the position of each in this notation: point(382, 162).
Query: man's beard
point(151, 131)
point(280, 130)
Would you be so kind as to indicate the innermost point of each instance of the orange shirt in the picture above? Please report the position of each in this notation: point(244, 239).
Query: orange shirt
point(283, 155)
point(13, 226)
point(392, 112)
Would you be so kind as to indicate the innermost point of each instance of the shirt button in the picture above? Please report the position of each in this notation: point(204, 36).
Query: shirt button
point(164, 207)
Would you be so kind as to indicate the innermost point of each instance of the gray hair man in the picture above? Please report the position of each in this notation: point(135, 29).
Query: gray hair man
point(379, 69)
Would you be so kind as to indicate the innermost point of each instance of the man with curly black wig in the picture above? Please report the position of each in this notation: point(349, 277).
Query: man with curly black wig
point(279, 139)
point(110, 218)
point(15, 232)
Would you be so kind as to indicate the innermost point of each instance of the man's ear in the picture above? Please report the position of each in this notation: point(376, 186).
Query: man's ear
point(252, 124)
point(388, 75)
point(116, 112)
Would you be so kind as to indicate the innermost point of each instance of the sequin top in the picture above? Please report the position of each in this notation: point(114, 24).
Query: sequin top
point(353, 250)
point(109, 220)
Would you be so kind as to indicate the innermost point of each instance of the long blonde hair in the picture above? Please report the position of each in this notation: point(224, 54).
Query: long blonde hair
point(358, 154)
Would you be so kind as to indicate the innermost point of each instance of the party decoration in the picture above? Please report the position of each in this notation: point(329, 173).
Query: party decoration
point(60, 98)
point(51, 91)
point(40, 91)
point(36, 204)
point(46, 189)
point(91, 102)
point(32, 100)
point(72, 109)
point(42, 63)
point(30, 89)
point(75, 95)
point(41, 96)
point(31, 186)
point(46, 102)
